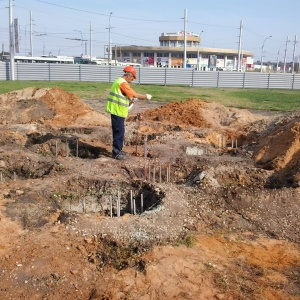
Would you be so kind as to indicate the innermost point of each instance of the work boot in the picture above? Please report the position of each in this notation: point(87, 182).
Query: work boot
point(125, 154)
point(119, 156)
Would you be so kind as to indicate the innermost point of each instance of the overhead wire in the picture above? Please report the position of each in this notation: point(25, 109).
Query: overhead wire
point(101, 14)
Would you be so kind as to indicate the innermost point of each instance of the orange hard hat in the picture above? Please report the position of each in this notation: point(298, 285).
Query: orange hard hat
point(131, 70)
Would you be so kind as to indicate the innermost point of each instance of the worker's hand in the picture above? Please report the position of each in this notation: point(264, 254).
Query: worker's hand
point(148, 96)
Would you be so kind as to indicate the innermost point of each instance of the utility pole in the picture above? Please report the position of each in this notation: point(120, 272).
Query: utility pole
point(31, 44)
point(11, 42)
point(198, 53)
point(185, 33)
point(240, 47)
point(295, 42)
point(284, 62)
point(90, 40)
point(109, 40)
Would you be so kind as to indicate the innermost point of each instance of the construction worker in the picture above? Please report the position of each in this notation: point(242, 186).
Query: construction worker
point(121, 96)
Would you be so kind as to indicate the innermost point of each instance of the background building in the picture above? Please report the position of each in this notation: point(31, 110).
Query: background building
point(170, 53)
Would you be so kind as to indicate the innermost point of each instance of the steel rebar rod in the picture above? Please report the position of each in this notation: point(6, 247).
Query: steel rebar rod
point(110, 204)
point(56, 142)
point(145, 146)
point(131, 202)
point(159, 173)
point(119, 204)
point(142, 203)
point(77, 152)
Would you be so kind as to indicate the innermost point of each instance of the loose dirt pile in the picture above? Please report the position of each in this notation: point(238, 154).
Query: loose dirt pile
point(52, 107)
point(206, 206)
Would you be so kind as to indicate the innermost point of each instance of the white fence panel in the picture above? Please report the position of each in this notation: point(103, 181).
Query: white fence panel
point(152, 76)
point(64, 72)
point(94, 73)
point(281, 81)
point(205, 79)
point(146, 75)
point(230, 80)
point(4, 71)
point(179, 76)
point(296, 84)
point(256, 80)
point(25, 71)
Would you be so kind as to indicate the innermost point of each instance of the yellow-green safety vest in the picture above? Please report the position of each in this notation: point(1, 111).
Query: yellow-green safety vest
point(117, 104)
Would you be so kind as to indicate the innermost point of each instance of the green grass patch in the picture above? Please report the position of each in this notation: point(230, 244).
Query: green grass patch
point(260, 99)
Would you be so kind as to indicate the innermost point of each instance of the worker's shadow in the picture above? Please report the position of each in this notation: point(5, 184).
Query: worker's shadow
point(87, 151)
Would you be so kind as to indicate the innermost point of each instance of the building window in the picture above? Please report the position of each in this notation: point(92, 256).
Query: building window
point(204, 55)
point(191, 55)
point(159, 54)
point(149, 54)
point(177, 55)
point(220, 56)
point(229, 57)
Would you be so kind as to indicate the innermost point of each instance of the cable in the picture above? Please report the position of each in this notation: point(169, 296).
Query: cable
point(99, 14)
point(213, 25)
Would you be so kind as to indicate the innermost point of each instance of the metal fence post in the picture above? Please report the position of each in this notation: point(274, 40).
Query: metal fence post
point(109, 73)
point(166, 76)
point(244, 77)
point(193, 72)
point(269, 81)
point(49, 72)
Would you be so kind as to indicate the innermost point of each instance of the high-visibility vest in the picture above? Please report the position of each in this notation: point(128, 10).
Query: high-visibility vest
point(117, 104)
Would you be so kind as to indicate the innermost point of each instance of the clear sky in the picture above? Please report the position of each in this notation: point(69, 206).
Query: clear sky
point(60, 25)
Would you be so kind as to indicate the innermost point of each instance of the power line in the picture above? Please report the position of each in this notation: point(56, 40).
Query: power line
point(212, 25)
point(106, 15)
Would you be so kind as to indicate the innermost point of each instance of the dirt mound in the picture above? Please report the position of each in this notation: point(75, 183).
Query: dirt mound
point(280, 147)
point(53, 107)
point(184, 217)
point(279, 150)
point(197, 113)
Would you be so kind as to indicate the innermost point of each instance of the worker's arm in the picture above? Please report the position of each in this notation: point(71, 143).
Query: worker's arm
point(130, 93)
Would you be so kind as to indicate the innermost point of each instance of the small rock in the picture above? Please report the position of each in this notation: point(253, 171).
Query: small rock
point(19, 192)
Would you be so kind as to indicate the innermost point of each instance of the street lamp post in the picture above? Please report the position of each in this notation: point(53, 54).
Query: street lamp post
point(284, 60)
point(11, 42)
point(277, 65)
point(26, 39)
point(185, 38)
point(262, 51)
point(198, 54)
point(109, 40)
point(81, 34)
point(31, 41)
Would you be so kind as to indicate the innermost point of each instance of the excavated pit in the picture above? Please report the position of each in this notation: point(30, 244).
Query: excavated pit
point(224, 174)
point(91, 196)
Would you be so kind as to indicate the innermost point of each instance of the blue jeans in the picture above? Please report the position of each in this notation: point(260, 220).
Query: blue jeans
point(118, 132)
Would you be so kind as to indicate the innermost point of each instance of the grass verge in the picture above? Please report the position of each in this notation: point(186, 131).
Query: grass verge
point(260, 99)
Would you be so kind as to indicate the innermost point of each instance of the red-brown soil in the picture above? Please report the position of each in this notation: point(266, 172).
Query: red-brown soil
point(216, 191)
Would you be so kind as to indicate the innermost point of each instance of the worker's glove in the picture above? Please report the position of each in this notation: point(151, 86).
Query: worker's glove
point(148, 97)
